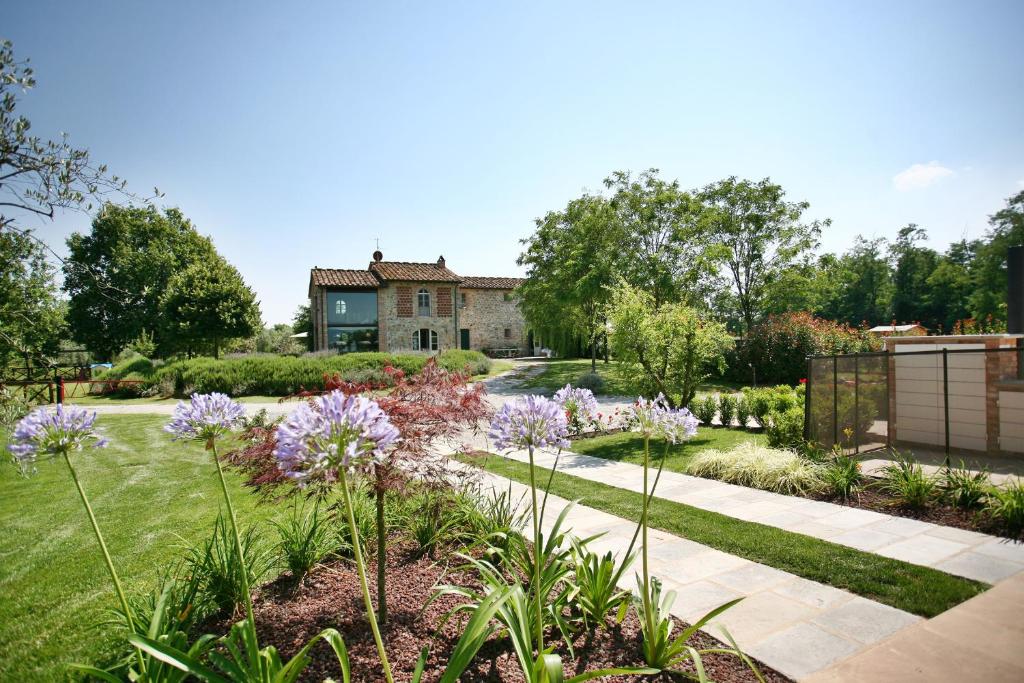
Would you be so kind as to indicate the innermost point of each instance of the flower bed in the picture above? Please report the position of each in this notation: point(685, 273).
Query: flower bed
point(287, 614)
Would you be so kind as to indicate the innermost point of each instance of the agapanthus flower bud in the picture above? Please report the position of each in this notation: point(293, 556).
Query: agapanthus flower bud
point(205, 416)
point(530, 421)
point(337, 431)
point(47, 432)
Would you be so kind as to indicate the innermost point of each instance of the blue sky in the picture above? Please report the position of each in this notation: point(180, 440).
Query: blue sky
point(296, 136)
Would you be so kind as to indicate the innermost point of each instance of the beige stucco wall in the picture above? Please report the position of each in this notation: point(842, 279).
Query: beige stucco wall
point(487, 315)
point(396, 332)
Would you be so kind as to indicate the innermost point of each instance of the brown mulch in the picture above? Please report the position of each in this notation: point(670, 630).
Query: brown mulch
point(288, 616)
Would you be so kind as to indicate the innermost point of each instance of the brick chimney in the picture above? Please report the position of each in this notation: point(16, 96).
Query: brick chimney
point(440, 261)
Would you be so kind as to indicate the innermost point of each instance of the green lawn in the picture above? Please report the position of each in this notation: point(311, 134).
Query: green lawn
point(919, 590)
point(150, 495)
point(629, 446)
point(558, 373)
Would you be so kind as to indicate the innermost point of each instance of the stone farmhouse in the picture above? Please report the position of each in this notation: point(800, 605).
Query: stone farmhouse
point(397, 306)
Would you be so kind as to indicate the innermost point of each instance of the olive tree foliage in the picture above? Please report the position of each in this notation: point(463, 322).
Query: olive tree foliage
point(206, 304)
point(672, 347)
point(757, 235)
point(38, 179)
point(571, 260)
point(134, 251)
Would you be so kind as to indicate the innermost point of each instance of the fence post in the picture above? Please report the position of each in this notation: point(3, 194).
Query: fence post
point(835, 400)
point(856, 402)
point(945, 399)
point(60, 390)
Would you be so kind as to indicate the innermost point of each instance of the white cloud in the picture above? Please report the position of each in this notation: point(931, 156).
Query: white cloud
point(920, 176)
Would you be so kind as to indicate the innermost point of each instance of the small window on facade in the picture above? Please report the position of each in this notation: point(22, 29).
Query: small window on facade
point(423, 302)
point(339, 307)
point(424, 340)
point(462, 299)
point(508, 333)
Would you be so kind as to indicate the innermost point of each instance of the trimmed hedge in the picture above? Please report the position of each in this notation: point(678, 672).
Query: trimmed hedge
point(271, 375)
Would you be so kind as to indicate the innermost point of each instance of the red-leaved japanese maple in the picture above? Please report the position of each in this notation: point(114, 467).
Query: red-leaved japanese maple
point(429, 408)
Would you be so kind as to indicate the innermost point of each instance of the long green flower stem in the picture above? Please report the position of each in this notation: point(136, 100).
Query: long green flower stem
point(362, 576)
point(242, 568)
point(648, 615)
point(106, 557)
point(536, 556)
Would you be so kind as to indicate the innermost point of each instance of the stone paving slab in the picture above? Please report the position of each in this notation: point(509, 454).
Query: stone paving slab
point(794, 625)
point(965, 553)
point(981, 639)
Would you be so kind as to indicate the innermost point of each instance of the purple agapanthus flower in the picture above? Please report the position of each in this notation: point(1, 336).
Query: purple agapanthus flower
point(46, 432)
point(205, 417)
point(577, 401)
point(656, 418)
point(337, 431)
point(530, 421)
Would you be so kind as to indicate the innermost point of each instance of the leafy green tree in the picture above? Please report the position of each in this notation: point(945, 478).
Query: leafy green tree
point(207, 303)
point(571, 261)
point(303, 322)
point(132, 252)
point(989, 271)
point(863, 285)
point(38, 179)
point(913, 299)
point(671, 346)
point(31, 315)
point(664, 244)
point(951, 284)
point(758, 235)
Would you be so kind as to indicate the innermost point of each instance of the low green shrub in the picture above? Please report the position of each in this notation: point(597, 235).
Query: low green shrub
point(785, 429)
point(763, 400)
point(704, 409)
point(726, 409)
point(274, 375)
point(742, 412)
point(592, 381)
point(749, 464)
point(13, 407)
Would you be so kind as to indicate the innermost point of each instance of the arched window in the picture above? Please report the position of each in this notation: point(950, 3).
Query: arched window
point(424, 340)
point(340, 307)
point(423, 302)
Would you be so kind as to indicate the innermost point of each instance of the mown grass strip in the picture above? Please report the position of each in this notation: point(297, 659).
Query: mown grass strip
point(912, 588)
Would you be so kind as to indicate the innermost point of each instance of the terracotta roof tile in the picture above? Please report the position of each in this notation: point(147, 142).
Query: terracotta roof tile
point(473, 282)
point(333, 277)
point(412, 272)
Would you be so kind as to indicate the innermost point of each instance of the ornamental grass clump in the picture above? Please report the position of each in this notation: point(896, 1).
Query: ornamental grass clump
point(759, 467)
point(580, 408)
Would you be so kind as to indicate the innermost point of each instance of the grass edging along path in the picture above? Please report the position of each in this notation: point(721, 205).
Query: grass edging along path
point(912, 588)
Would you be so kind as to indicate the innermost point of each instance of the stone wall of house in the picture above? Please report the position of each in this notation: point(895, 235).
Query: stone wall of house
point(487, 314)
point(398, 319)
point(318, 314)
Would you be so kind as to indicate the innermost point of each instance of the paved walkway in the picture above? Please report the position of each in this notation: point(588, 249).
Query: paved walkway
point(978, 640)
point(1000, 469)
point(792, 624)
point(956, 551)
